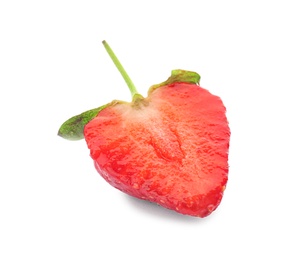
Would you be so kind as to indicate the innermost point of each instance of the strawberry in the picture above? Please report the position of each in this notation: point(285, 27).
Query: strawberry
point(170, 148)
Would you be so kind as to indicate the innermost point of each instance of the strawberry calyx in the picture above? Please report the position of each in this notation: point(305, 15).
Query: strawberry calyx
point(178, 75)
point(72, 129)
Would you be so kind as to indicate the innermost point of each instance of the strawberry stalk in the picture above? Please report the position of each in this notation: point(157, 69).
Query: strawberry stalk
point(121, 69)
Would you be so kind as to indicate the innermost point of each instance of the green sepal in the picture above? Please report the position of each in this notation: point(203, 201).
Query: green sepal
point(179, 76)
point(73, 128)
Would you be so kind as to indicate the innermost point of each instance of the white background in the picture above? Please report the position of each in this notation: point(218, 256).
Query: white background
point(53, 203)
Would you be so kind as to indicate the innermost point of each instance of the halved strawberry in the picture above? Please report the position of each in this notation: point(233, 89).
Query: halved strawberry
point(170, 148)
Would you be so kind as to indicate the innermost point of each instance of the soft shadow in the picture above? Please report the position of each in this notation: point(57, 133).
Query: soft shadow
point(158, 211)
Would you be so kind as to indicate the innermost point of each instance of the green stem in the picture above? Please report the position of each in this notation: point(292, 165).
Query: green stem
point(121, 69)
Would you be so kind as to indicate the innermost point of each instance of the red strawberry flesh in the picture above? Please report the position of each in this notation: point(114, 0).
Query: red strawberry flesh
point(171, 148)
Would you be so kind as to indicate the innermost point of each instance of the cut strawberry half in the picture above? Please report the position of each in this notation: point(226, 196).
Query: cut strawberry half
point(170, 148)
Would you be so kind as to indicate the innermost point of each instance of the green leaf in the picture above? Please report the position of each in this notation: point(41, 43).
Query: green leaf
point(72, 129)
point(179, 76)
